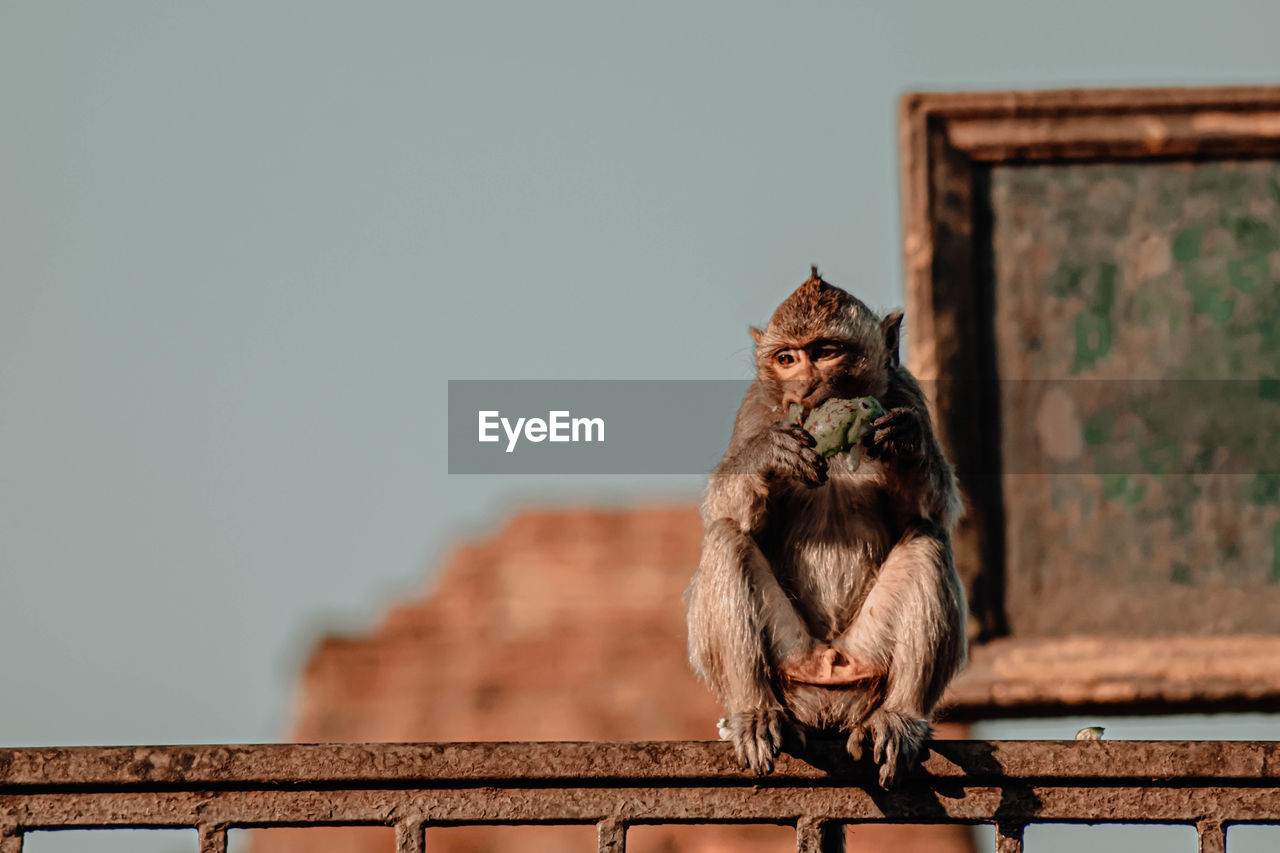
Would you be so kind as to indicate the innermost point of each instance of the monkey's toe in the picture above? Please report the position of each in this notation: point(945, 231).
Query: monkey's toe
point(757, 738)
point(896, 740)
point(854, 745)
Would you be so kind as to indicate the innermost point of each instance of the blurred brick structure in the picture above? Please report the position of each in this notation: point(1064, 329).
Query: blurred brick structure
point(566, 625)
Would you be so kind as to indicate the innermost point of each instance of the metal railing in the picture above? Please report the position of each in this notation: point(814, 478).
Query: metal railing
point(1010, 784)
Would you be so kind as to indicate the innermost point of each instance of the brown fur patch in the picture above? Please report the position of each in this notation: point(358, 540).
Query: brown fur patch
point(819, 309)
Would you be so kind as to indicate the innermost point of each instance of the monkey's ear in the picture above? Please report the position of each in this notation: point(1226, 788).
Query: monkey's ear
point(891, 326)
point(756, 334)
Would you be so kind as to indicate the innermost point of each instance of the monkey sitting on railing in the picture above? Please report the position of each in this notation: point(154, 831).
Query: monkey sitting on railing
point(826, 598)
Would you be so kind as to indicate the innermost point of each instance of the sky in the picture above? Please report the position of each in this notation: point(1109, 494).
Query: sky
point(244, 245)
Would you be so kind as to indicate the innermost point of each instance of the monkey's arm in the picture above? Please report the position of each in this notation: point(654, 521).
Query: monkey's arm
point(911, 627)
point(765, 454)
point(740, 623)
point(923, 480)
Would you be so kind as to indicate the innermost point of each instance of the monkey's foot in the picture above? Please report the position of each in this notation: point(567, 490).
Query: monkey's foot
point(827, 666)
point(757, 738)
point(896, 742)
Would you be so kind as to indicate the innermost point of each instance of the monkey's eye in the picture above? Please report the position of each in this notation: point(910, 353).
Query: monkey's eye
point(827, 351)
point(785, 358)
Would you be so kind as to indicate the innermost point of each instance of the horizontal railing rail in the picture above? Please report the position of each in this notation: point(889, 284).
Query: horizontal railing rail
point(1009, 784)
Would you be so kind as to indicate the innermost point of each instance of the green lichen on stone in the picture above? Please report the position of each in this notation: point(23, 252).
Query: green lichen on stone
point(1104, 297)
point(1114, 485)
point(1093, 340)
point(1186, 246)
point(1274, 576)
point(1268, 335)
point(1067, 280)
point(1097, 428)
point(1248, 274)
point(1123, 489)
point(1206, 295)
point(1094, 324)
point(1160, 456)
point(1252, 235)
point(1265, 489)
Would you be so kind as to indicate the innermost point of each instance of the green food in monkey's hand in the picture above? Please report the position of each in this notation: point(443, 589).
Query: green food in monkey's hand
point(838, 425)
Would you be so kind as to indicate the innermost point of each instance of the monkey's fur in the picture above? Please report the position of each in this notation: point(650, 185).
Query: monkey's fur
point(843, 573)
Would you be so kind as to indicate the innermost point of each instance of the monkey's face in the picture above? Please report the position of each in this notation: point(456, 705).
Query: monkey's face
point(823, 342)
point(809, 372)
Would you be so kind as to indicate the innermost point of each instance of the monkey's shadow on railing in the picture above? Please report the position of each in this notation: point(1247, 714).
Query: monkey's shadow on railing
point(920, 796)
point(1017, 797)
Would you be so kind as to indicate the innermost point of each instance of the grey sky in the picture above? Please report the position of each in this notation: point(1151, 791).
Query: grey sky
point(243, 245)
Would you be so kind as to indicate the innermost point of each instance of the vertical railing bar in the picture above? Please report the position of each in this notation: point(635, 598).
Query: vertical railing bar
point(611, 836)
point(213, 839)
point(10, 839)
point(1213, 836)
point(411, 835)
point(1009, 837)
point(819, 835)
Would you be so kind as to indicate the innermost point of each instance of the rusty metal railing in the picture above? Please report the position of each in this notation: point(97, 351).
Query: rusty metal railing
point(1010, 784)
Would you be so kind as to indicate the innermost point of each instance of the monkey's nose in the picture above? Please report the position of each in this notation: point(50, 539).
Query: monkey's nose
point(810, 398)
point(796, 398)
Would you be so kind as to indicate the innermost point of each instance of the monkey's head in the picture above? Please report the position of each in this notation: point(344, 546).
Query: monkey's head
point(824, 342)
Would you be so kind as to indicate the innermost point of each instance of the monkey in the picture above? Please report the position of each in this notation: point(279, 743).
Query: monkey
point(826, 597)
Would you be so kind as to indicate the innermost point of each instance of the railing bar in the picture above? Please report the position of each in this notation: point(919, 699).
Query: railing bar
point(446, 764)
point(611, 836)
point(1009, 837)
point(411, 834)
point(1213, 836)
point(819, 835)
point(10, 839)
point(213, 839)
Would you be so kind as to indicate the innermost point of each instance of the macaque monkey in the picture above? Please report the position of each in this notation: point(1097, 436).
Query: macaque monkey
point(826, 598)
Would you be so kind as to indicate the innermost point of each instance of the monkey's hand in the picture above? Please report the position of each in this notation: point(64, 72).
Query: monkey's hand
point(898, 435)
point(896, 742)
point(785, 452)
point(757, 738)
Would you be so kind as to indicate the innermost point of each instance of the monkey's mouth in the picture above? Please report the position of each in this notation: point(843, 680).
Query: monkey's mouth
point(797, 412)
